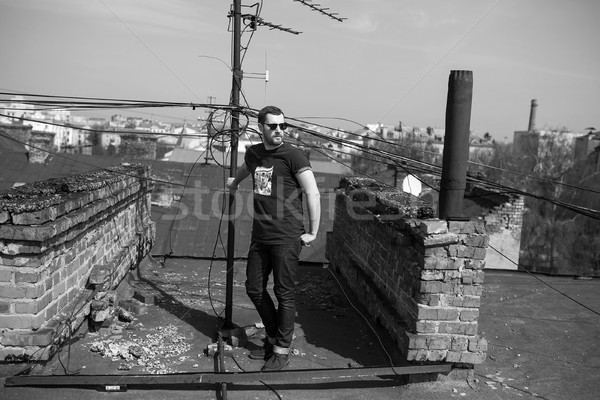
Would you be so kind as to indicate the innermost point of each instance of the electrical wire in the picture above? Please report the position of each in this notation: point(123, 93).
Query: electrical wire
point(595, 214)
point(134, 33)
point(520, 267)
point(135, 103)
point(591, 213)
point(381, 140)
point(439, 60)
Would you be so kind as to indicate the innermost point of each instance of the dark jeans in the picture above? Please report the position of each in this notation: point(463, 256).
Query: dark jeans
point(282, 260)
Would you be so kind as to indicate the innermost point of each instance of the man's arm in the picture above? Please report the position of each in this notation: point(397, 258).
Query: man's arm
point(242, 173)
point(308, 183)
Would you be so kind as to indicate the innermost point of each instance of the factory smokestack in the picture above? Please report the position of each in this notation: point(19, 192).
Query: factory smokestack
point(532, 116)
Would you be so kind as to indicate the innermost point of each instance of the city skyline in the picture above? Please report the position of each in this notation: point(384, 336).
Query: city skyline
point(389, 61)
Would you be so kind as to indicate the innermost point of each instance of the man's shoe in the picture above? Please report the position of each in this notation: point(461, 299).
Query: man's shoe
point(277, 362)
point(264, 353)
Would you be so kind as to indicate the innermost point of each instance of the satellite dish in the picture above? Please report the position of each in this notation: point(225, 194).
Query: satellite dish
point(412, 185)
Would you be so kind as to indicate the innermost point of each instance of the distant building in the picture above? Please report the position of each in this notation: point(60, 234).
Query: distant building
point(108, 138)
point(585, 145)
point(530, 146)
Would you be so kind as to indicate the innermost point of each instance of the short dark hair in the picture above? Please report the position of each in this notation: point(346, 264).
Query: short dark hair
point(262, 114)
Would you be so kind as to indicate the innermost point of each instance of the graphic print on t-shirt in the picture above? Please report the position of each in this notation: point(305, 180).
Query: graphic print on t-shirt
point(262, 180)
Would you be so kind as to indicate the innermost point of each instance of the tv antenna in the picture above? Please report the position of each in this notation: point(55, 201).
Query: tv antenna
point(323, 10)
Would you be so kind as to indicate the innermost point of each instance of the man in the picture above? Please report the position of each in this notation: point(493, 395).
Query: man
point(282, 177)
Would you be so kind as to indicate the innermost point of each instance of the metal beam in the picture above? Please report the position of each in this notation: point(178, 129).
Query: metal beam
point(310, 376)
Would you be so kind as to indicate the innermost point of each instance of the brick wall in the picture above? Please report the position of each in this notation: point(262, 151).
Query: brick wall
point(503, 219)
point(52, 234)
point(419, 277)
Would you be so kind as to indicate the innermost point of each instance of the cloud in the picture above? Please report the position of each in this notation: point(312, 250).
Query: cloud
point(422, 19)
point(363, 24)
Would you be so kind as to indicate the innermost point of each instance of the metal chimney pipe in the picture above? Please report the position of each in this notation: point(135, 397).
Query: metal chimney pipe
point(456, 144)
point(531, 127)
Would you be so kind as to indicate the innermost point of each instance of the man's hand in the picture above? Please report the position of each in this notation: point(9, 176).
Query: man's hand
point(306, 239)
point(231, 185)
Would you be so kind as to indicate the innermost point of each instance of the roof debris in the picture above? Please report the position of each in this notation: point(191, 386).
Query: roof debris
point(151, 353)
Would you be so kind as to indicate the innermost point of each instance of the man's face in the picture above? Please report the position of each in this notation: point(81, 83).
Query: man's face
point(272, 138)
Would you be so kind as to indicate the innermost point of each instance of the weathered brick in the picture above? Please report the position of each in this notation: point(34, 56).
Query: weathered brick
point(435, 251)
point(4, 307)
point(36, 217)
point(431, 275)
point(478, 344)
point(453, 356)
point(450, 275)
point(459, 344)
point(432, 300)
point(436, 314)
point(435, 262)
point(476, 240)
point(438, 342)
point(6, 275)
point(478, 277)
point(440, 240)
point(460, 250)
point(26, 321)
point(11, 353)
point(33, 306)
point(416, 341)
point(433, 226)
point(4, 217)
point(28, 277)
point(461, 301)
point(469, 315)
point(461, 226)
point(51, 310)
point(426, 355)
point(427, 326)
point(21, 292)
point(41, 337)
point(479, 253)
point(429, 287)
point(458, 328)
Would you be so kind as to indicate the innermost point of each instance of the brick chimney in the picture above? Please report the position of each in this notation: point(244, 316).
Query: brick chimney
point(21, 133)
point(138, 147)
point(532, 112)
point(40, 147)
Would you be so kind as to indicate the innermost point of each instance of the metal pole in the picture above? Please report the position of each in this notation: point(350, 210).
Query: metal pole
point(221, 364)
point(235, 127)
point(456, 144)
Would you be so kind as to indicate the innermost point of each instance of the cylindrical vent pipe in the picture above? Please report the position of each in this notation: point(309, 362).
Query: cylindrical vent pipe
point(456, 144)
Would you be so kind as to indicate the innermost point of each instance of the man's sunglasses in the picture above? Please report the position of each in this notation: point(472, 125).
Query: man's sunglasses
point(283, 126)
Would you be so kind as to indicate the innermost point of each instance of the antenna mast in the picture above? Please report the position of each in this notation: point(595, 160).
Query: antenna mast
point(235, 128)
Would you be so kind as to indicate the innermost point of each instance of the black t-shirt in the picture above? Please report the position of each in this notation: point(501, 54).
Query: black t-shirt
point(278, 213)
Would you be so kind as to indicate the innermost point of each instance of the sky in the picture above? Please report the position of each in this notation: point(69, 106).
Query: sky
point(388, 61)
